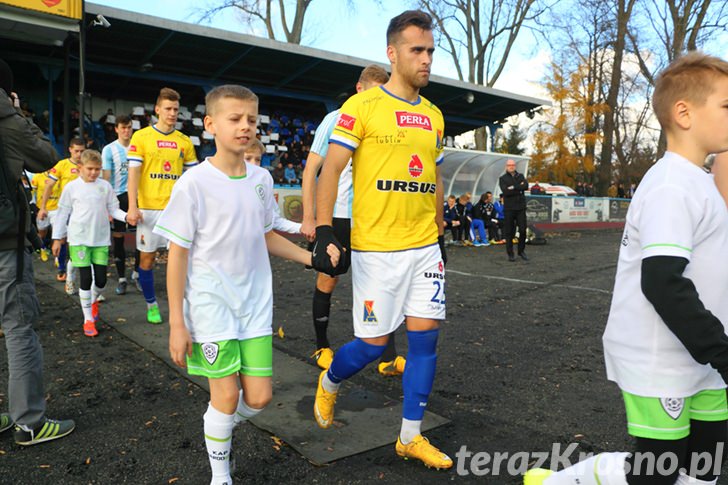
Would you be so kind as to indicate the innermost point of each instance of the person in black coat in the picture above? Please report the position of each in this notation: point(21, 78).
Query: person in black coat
point(513, 185)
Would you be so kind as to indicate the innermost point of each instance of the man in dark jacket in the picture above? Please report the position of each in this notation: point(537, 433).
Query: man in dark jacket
point(22, 146)
point(513, 185)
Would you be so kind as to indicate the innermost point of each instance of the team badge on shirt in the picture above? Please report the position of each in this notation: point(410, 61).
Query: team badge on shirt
point(369, 315)
point(210, 351)
point(415, 166)
point(673, 406)
point(260, 191)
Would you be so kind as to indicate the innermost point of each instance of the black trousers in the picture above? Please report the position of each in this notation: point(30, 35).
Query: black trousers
point(513, 217)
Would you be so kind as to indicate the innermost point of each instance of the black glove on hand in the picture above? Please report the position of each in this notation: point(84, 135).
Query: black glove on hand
point(441, 243)
point(320, 257)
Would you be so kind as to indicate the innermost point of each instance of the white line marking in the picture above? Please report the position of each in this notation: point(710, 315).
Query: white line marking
point(529, 282)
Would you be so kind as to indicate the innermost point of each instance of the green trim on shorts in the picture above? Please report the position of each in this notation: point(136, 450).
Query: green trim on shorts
point(250, 357)
point(669, 418)
point(85, 256)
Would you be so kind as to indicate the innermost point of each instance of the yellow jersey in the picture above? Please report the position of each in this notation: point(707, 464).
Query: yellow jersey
point(162, 158)
point(397, 146)
point(65, 171)
point(38, 185)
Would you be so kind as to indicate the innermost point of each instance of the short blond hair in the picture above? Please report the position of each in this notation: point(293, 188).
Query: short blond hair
point(234, 91)
point(256, 144)
point(373, 74)
point(90, 156)
point(689, 78)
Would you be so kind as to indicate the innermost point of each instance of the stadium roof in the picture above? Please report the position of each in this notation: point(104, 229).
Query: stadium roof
point(139, 53)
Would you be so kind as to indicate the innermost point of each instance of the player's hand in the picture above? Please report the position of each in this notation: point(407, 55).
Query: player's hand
point(56, 248)
point(308, 229)
point(322, 257)
point(134, 216)
point(441, 243)
point(42, 214)
point(180, 343)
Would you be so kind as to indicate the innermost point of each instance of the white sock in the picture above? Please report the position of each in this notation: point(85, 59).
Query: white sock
point(85, 297)
point(329, 385)
point(601, 469)
point(122, 280)
point(95, 292)
point(244, 412)
point(69, 271)
point(684, 479)
point(134, 275)
point(150, 305)
point(410, 429)
point(218, 438)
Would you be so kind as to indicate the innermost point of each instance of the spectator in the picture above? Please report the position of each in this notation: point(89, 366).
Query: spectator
point(465, 208)
point(620, 191)
point(451, 219)
point(536, 189)
point(612, 190)
point(289, 175)
point(500, 217)
point(279, 174)
point(632, 190)
point(513, 185)
point(478, 224)
point(23, 147)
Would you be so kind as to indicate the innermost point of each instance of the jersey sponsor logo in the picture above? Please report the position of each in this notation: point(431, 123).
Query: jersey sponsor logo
point(438, 140)
point(440, 267)
point(415, 166)
point(74, 170)
point(163, 176)
point(431, 275)
point(51, 3)
point(404, 186)
point(673, 406)
point(167, 166)
point(210, 351)
point(406, 119)
point(132, 148)
point(345, 121)
point(369, 315)
point(167, 144)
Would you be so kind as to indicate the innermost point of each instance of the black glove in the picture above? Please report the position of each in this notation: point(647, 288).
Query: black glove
point(441, 243)
point(320, 259)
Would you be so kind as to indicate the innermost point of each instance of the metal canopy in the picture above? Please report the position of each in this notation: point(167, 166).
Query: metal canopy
point(139, 53)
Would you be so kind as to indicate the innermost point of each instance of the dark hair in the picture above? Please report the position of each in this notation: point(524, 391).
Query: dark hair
point(418, 18)
point(123, 120)
point(77, 142)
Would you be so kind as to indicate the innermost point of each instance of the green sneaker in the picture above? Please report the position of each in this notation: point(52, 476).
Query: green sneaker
point(5, 422)
point(153, 315)
point(46, 430)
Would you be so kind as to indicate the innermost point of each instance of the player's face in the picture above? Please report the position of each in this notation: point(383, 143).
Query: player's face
point(167, 112)
point(124, 132)
point(253, 157)
point(411, 56)
point(233, 123)
point(75, 152)
point(711, 119)
point(90, 171)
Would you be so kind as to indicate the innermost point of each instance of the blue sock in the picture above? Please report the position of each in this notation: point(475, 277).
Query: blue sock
point(353, 357)
point(62, 254)
point(146, 280)
point(419, 373)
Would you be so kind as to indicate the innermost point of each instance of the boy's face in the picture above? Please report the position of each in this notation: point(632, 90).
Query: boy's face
point(253, 156)
point(233, 122)
point(710, 121)
point(90, 170)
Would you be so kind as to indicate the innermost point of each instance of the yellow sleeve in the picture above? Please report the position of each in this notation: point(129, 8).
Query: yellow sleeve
point(135, 154)
point(349, 129)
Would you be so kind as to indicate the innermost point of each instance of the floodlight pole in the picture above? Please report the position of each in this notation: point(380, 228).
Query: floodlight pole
point(81, 68)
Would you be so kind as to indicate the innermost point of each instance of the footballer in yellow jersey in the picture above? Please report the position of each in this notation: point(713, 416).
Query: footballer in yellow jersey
point(65, 171)
point(397, 146)
point(38, 185)
point(162, 158)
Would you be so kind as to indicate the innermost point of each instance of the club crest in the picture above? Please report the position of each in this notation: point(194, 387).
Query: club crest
point(210, 351)
point(673, 406)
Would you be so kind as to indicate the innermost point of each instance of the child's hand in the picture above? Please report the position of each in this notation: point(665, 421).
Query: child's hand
point(56, 248)
point(129, 221)
point(180, 344)
point(334, 254)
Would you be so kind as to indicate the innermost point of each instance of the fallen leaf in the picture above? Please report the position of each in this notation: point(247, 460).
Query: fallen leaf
point(281, 334)
point(172, 480)
point(88, 460)
point(44, 466)
point(121, 319)
point(277, 440)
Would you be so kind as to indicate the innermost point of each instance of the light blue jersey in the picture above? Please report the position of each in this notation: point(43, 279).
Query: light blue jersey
point(320, 146)
point(114, 159)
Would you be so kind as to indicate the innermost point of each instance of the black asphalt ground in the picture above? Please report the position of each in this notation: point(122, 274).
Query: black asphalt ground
point(520, 369)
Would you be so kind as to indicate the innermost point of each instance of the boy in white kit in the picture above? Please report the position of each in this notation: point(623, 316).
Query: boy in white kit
point(89, 201)
point(218, 221)
point(665, 344)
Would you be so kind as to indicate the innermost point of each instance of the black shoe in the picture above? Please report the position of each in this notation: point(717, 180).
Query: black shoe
point(46, 430)
point(523, 256)
point(511, 258)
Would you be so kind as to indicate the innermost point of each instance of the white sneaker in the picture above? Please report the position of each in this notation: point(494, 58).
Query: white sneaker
point(70, 288)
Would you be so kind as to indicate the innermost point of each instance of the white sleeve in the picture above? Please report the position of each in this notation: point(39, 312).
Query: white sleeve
point(178, 221)
point(65, 206)
point(112, 205)
point(282, 224)
point(657, 213)
point(271, 206)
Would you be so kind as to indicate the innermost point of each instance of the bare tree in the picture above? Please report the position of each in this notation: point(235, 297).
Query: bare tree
point(271, 14)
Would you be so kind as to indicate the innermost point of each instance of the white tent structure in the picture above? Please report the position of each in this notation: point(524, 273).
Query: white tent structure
point(475, 171)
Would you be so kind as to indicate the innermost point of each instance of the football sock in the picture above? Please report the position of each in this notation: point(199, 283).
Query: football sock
point(419, 374)
point(244, 412)
point(321, 310)
point(601, 469)
point(62, 255)
point(218, 438)
point(69, 271)
point(146, 279)
point(85, 297)
point(351, 358)
point(390, 351)
point(119, 257)
point(95, 292)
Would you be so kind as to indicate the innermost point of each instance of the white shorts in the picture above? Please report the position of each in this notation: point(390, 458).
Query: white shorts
point(43, 223)
point(391, 286)
point(51, 218)
point(146, 240)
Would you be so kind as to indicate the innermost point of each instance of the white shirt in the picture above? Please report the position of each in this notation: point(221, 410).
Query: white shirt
point(89, 205)
point(676, 211)
point(320, 146)
point(223, 221)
